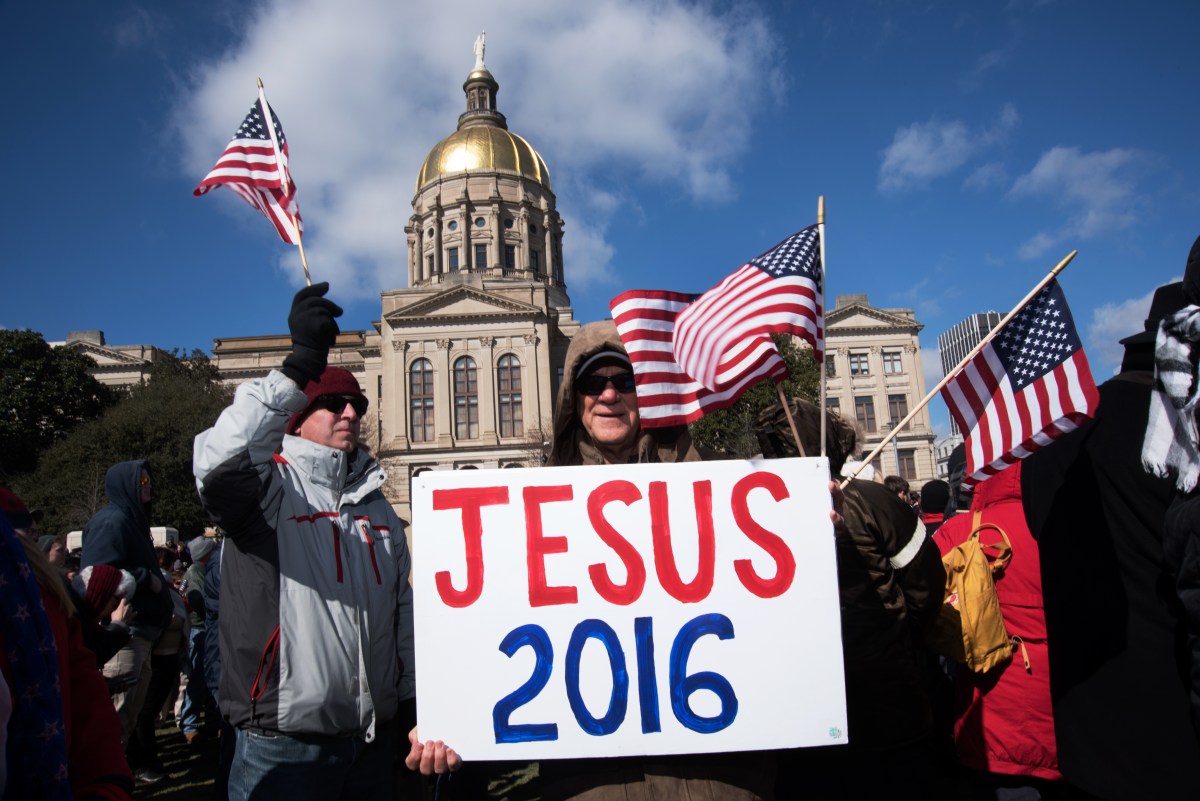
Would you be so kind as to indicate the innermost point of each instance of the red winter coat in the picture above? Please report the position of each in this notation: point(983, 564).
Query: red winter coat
point(1003, 719)
point(95, 760)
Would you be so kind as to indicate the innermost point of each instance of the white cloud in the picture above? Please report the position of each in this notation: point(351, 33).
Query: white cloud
point(986, 176)
point(1111, 323)
point(608, 92)
point(137, 28)
point(989, 62)
point(1098, 191)
point(924, 151)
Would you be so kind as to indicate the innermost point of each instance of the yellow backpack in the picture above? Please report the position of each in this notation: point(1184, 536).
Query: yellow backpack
point(970, 628)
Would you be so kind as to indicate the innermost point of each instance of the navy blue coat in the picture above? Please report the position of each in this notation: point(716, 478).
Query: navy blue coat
point(119, 535)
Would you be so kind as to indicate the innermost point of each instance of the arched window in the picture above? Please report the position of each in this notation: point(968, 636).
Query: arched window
point(420, 392)
point(466, 399)
point(509, 387)
point(414, 472)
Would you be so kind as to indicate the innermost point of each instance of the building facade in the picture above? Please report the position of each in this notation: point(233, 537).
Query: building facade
point(116, 365)
point(463, 366)
point(942, 450)
point(874, 375)
point(961, 339)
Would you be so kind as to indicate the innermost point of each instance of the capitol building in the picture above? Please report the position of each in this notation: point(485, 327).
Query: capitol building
point(463, 365)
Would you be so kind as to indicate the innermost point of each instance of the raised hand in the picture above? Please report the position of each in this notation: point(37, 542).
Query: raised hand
point(313, 325)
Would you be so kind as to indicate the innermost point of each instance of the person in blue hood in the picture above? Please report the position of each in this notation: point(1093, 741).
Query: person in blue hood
point(119, 535)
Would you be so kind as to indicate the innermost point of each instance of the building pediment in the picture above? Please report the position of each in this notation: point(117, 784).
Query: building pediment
point(857, 317)
point(104, 356)
point(461, 304)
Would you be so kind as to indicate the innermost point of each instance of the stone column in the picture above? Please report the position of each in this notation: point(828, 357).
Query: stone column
point(395, 386)
point(538, 371)
point(439, 250)
point(498, 236)
point(488, 410)
point(416, 270)
point(444, 400)
point(467, 261)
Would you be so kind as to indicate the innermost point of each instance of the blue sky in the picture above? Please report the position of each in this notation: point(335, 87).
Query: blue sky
point(963, 149)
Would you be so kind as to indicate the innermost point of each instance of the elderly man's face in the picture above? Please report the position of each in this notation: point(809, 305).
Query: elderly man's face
point(610, 418)
point(333, 422)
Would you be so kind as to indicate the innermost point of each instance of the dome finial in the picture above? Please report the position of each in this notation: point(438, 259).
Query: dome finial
point(480, 45)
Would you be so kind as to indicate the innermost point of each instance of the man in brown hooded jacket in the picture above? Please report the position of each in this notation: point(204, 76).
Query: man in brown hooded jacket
point(597, 422)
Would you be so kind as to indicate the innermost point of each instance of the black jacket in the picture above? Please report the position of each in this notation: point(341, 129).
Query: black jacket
point(1181, 546)
point(212, 614)
point(1113, 619)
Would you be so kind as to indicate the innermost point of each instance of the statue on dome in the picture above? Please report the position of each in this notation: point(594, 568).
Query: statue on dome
point(480, 44)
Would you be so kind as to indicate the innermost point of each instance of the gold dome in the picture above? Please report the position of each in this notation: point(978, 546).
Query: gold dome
point(482, 147)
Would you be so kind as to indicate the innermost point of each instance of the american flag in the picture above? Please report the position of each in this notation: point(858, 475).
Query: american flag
point(719, 337)
point(1028, 386)
point(252, 167)
point(667, 396)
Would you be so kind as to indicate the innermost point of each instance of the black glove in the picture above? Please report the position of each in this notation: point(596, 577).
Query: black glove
point(314, 331)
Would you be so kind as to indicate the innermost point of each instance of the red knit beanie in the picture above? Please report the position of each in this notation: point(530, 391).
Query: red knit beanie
point(14, 508)
point(102, 585)
point(334, 381)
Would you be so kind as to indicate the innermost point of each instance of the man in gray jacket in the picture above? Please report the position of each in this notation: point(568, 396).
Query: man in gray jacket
point(316, 630)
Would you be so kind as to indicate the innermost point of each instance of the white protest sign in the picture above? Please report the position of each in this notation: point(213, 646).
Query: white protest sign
point(627, 609)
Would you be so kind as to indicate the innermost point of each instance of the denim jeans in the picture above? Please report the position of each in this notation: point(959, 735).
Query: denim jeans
point(196, 696)
point(317, 767)
point(142, 749)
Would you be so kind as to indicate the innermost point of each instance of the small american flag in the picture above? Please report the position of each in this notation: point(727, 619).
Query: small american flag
point(253, 167)
point(667, 396)
point(1028, 386)
point(719, 337)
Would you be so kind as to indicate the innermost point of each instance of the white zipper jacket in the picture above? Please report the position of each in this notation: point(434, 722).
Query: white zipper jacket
point(316, 629)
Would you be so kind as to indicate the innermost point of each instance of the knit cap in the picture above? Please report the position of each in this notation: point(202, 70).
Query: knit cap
point(334, 381)
point(200, 548)
point(102, 585)
point(12, 506)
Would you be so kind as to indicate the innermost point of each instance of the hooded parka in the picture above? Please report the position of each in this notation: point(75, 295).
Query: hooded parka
point(740, 776)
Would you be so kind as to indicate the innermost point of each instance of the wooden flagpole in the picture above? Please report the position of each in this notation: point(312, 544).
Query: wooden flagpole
point(821, 365)
point(300, 243)
point(946, 380)
point(270, 123)
point(787, 409)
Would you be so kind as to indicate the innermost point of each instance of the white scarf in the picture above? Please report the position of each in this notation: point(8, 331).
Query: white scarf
point(1171, 439)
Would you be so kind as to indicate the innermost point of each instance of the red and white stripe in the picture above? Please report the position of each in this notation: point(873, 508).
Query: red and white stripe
point(667, 395)
point(723, 332)
point(1005, 425)
point(257, 169)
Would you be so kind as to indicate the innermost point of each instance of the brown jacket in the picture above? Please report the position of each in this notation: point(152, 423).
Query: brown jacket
point(884, 606)
point(743, 776)
point(571, 445)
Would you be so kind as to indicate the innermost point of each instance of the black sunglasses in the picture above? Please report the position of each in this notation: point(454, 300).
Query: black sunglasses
point(594, 384)
point(336, 403)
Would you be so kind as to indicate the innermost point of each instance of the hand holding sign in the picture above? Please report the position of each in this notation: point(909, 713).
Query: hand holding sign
point(631, 609)
point(431, 757)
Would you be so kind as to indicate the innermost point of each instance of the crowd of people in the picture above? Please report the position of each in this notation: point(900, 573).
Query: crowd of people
point(286, 631)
